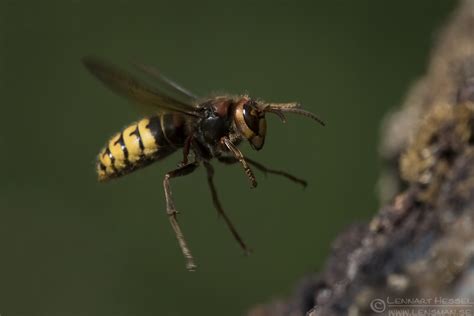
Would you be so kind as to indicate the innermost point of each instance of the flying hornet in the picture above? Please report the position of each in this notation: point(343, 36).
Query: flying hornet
point(202, 128)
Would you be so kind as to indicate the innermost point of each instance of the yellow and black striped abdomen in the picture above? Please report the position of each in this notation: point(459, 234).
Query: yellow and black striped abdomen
point(140, 144)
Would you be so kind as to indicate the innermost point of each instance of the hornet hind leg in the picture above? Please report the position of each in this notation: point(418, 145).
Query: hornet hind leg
point(171, 211)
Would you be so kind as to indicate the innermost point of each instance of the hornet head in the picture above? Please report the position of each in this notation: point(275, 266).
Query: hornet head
point(249, 118)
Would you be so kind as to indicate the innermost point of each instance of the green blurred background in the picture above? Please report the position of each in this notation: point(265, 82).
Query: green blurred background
point(72, 246)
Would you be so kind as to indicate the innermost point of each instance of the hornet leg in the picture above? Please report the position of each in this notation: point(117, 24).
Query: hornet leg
point(265, 170)
point(186, 148)
point(238, 155)
point(171, 211)
point(220, 210)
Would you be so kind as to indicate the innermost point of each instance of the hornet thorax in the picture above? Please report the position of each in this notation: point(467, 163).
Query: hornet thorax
point(216, 123)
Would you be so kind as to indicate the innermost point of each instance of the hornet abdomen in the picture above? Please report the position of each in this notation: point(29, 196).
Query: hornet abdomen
point(140, 144)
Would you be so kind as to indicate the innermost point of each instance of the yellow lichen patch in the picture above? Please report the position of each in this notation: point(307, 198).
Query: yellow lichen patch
point(444, 131)
point(420, 154)
point(116, 150)
point(149, 144)
point(132, 142)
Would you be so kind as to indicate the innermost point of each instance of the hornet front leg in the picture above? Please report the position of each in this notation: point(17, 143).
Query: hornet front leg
point(265, 170)
point(238, 155)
